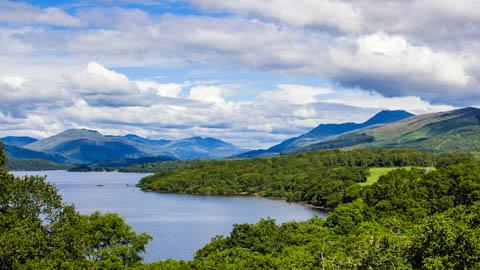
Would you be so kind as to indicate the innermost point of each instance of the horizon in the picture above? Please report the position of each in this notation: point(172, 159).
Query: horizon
point(240, 71)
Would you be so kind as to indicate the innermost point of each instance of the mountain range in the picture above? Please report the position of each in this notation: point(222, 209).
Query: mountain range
point(457, 130)
point(81, 146)
point(325, 131)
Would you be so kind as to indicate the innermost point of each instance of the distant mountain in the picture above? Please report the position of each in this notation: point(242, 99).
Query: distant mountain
point(324, 131)
point(136, 138)
point(85, 146)
point(199, 147)
point(15, 152)
point(457, 130)
point(18, 140)
point(88, 146)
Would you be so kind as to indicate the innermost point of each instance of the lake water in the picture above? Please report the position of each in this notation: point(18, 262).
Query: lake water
point(179, 224)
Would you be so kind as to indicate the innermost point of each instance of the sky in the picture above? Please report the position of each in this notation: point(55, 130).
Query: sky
point(251, 72)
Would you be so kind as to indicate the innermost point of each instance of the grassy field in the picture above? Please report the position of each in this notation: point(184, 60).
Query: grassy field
point(376, 172)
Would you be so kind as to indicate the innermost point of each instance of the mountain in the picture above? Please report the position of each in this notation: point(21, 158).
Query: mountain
point(85, 146)
point(199, 147)
point(89, 146)
point(324, 131)
point(136, 138)
point(18, 140)
point(452, 131)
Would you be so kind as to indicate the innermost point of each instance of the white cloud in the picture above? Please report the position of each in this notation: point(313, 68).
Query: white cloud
point(296, 94)
point(205, 111)
point(163, 89)
point(393, 56)
point(208, 93)
point(389, 63)
point(96, 79)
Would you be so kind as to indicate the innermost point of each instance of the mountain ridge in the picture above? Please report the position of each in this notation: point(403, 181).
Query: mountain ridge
point(89, 146)
point(452, 131)
point(324, 131)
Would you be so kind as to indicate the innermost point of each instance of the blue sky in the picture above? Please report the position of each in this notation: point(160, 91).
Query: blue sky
point(250, 72)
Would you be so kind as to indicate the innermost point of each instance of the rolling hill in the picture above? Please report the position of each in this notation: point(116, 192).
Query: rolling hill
point(452, 131)
point(324, 131)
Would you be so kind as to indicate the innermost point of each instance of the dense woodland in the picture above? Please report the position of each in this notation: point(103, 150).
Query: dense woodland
point(409, 219)
point(324, 179)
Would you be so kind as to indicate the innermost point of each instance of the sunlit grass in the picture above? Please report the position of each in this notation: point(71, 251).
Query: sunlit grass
point(376, 172)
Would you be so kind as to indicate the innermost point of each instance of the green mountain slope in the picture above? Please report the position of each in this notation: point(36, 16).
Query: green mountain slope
point(457, 130)
point(325, 131)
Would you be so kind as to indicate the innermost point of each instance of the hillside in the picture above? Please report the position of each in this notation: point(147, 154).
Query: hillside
point(457, 130)
point(15, 152)
point(324, 131)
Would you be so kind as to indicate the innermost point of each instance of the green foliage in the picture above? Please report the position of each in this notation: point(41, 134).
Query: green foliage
point(158, 167)
point(407, 220)
point(324, 178)
point(38, 231)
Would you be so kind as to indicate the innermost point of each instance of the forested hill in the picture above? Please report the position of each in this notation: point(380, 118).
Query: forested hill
point(324, 178)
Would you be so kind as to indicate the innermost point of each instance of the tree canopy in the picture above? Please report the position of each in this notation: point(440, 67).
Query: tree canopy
point(39, 231)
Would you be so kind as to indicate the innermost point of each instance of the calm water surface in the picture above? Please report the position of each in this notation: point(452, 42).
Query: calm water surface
point(179, 224)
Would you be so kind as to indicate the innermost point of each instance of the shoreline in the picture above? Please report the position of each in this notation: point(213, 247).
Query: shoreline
point(245, 194)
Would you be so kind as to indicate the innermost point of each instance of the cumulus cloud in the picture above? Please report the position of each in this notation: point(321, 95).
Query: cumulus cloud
point(206, 110)
point(96, 79)
point(395, 67)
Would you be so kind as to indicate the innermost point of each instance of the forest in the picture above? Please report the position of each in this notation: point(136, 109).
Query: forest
point(408, 219)
point(322, 179)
